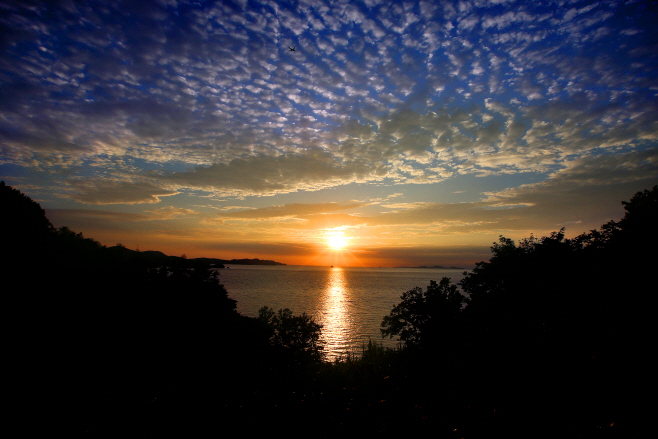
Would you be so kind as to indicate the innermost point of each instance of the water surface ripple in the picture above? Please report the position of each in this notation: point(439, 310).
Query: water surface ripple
point(349, 302)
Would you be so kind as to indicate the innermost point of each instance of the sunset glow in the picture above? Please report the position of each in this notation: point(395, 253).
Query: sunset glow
point(337, 242)
point(420, 130)
point(336, 319)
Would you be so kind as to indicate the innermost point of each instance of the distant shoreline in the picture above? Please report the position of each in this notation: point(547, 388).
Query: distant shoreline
point(154, 257)
point(436, 267)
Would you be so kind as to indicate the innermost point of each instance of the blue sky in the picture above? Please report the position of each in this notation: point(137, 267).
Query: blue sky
point(418, 131)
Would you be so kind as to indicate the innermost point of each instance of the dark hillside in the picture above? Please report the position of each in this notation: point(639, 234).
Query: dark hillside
point(553, 340)
point(26, 231)
point(100, 333)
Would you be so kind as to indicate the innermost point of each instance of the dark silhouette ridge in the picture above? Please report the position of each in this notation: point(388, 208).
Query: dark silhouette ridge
point(157, 258)
point(102, 333)
point(553, 342)
point(554, 328)
point(25, 228)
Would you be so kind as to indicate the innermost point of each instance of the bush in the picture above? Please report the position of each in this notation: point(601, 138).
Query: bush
point(298, 336)
point(424, 317)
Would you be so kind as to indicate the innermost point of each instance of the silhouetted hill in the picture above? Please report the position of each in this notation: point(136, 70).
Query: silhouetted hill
point(255, 261)
point(555, 341)
point(29, 237)
point(157, 258)
point(25, 230)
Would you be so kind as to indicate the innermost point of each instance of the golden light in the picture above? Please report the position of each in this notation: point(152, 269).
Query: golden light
point(336, 321)
point(337, 241)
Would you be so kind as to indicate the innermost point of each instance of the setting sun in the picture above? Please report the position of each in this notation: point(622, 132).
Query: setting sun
point(337, 242)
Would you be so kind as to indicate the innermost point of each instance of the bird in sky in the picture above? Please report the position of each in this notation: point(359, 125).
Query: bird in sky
point(292, 49)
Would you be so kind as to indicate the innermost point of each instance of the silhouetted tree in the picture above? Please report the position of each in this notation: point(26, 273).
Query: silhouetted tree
point(26, 232)
point(425, 317)
point(298, 336)
point(20, 213)
point(556, 335)
point(103, 330)
point(555, 316)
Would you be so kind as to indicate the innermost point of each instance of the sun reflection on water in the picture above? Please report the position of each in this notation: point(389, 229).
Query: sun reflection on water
point(336, 320)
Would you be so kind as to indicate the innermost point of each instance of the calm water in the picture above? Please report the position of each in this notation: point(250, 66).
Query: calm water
point(349, 302)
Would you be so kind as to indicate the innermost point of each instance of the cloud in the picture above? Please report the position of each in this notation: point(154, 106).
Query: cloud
point(111, 192)
point(131, 103)
point(306, 250)
point(166, 213)
point(462, 256)
point(298, 210)
point(66, 216)
point(588, 191)
point(95, 220)
point(263, 175)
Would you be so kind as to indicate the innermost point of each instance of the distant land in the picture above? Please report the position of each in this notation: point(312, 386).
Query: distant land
point(435, 266)
point(153, 257)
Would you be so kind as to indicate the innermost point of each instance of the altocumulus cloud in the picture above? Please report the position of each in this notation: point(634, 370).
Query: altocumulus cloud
point(292, 210)
point(133, 102)
point(262, 175)
point(111, 192)
point(586, 184)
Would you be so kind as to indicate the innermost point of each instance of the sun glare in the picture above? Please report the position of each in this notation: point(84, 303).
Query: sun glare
point(337, 242)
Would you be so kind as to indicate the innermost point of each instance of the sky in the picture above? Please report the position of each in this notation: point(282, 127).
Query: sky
point(394, 134)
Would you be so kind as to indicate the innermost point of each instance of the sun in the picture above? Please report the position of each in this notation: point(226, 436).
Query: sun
point(337, 242)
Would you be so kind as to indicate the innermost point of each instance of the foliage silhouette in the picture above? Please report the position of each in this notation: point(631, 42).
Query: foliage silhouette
point(552, 329)
point(26, 231)
point(21, 213)
point(554, 341)
point(104, 331)
point(425, 317)
point(298, 336)
point(556, 316)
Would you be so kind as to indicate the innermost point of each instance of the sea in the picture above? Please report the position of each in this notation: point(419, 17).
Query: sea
point(349, 302)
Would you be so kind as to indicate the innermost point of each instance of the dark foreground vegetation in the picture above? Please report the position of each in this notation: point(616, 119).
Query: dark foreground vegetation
point(552, 339)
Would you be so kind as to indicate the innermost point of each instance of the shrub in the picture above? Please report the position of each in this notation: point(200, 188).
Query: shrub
point(425, 316)
point(295, 335)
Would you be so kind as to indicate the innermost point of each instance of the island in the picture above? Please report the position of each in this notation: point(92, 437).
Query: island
point(157, 258)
